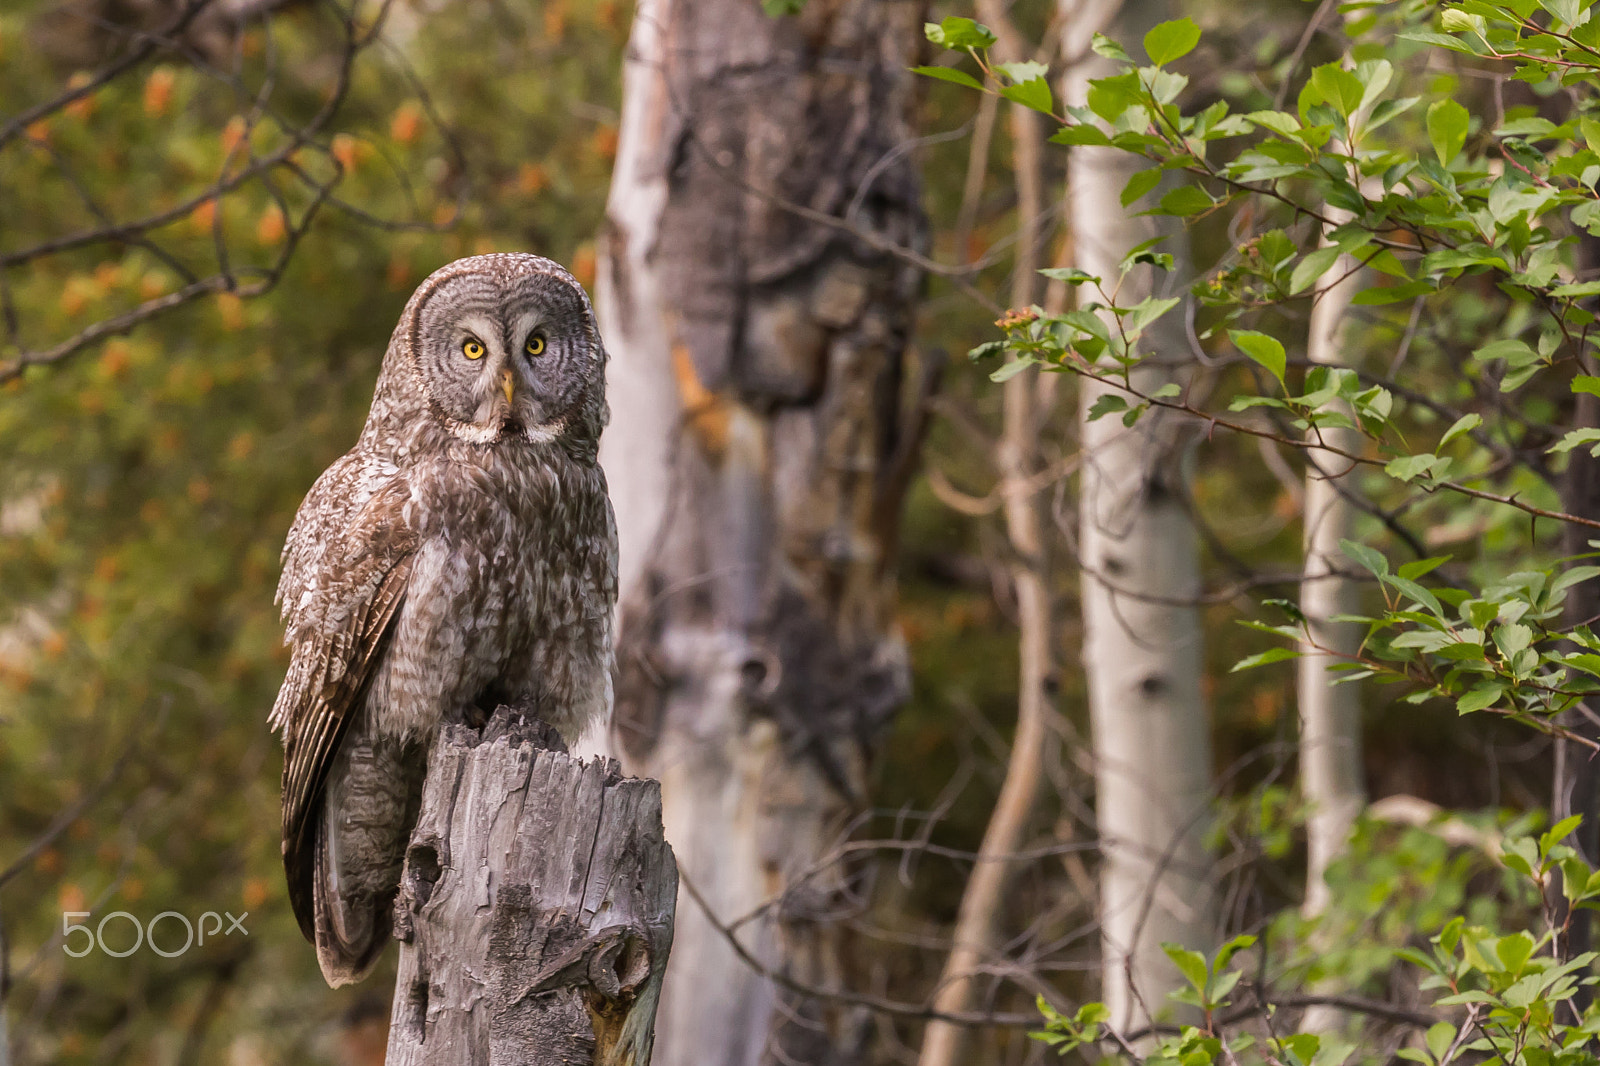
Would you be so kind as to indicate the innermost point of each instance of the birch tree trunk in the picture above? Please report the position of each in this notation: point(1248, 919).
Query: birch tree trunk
point(1330, 715)
point(535, 908)
point(1138, 552)
point(757, 457)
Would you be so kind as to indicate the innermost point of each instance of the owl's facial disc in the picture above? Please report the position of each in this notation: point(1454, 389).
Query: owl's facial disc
point(507, 358)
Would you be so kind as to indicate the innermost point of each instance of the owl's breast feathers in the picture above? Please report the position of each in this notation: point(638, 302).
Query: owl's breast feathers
point(512, 593)
point(411, 586)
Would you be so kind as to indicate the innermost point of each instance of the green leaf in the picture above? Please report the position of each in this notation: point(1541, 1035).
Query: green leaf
point(1033, 94)
point(1568, 11)
point(1279, 122)
point(1267, 351)
point(1479, 698)
point(1025, 71)
point(1140, 184)
point(1011, 369)
point(1312, 267)
point(1447, 129)
point(1082, 133)
point(1191, 964)
point(1511, 639)
point(1370, 558)
point(1464, 424)
point(1514, 951)
point(1410, 467)
point(1515, 352)
point(1393, 294)
point(1186, 200)
point(1576, 439)
point(957, 32)
point(1586, 383)
point(1171, 40)
point(1581, 288)
point(1338, 87)
point(1439, 1038)
point(1105, 404)
point(1105, 46)
point(1070, 275)
point(1271, 655)
point(1421, 567)
point(1147, 311)
point(950, 74)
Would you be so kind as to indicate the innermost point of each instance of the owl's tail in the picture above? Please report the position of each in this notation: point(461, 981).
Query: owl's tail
point(369, 809)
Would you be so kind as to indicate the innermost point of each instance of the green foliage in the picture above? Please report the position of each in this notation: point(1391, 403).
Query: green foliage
point(1503, 207)
point(148, 483)
point(1378, 174)
point(1501, 997)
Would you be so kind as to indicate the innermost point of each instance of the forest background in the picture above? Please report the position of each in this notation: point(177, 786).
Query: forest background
point(203, 248)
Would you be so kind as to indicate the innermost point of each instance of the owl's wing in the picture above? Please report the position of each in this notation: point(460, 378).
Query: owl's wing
point(348, 601)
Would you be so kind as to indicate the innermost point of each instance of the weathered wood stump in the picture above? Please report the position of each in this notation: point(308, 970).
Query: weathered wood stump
point(536, 908)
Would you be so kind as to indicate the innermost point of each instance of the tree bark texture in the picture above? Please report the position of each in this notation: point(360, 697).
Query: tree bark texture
point(1138, 551)
point(758, 452)
point(535, 910)
point(1331, 777)
point(1330, 715)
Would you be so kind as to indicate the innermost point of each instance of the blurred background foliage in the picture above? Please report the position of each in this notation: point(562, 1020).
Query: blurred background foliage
point(146, 484)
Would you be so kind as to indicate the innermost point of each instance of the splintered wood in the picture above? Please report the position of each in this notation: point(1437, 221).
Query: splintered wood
point(536, 908)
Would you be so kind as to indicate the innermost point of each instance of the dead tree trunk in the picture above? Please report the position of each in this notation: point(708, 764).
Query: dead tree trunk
point(760, 443)
point(536, 908)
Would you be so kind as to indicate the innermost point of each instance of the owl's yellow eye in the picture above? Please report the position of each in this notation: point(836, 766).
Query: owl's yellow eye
point(535, 345)
point(473, 348)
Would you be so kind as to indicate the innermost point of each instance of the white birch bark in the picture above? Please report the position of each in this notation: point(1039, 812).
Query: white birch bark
point(1330, 715)
point(1142, 640)
point(757, 455)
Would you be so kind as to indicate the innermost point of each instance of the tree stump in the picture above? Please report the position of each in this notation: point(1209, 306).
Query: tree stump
point(535, 912)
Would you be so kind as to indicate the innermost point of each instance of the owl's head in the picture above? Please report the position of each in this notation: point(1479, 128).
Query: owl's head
point(505, 347)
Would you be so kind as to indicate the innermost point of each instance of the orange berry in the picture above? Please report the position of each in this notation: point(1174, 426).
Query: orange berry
point(203, 216)
point(83, 107)
point(271, 228)
point(406, 125)
point(158, 91)
point(532, 179)
point(116, 357)
point(231, 308)
point(232, 134)
point(347, 150)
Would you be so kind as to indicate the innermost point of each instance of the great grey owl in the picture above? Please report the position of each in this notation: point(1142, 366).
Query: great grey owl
point(462, 555)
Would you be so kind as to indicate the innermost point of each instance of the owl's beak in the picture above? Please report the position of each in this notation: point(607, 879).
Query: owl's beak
point(505, 384)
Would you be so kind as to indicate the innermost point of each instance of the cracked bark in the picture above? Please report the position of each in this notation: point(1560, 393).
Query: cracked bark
point(536, 907)
point(759, 448)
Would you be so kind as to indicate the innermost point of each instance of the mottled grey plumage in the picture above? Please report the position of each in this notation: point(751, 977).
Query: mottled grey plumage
point(463, 554)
